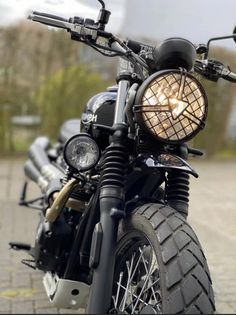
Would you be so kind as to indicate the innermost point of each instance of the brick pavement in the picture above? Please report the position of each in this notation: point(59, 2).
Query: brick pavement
point(212, 215)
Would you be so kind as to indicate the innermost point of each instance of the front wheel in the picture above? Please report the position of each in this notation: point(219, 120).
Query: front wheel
point(160, 266)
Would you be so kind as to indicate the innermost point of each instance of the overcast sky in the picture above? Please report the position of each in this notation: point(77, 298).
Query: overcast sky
point(11, 11)
point(196, 20)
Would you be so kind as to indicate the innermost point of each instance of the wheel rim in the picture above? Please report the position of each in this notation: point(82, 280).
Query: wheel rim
point(137, 283)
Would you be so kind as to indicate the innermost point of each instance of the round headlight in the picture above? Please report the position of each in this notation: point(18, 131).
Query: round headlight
point(171, 105)
point(81, 152)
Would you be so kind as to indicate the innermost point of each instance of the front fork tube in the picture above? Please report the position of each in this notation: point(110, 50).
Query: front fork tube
point(101, 288)
point(102, 256)
point(112, 199)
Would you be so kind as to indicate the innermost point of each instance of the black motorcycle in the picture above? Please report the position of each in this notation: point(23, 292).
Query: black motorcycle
point(113, 235)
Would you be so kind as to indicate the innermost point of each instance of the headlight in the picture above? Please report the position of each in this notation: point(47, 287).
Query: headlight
point(171, 105)
point(81, 152)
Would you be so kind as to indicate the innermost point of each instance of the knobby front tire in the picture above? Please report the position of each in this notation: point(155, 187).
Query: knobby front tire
point(160, 265)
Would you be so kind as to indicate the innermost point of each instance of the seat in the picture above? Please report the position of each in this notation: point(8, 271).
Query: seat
point(68, 129)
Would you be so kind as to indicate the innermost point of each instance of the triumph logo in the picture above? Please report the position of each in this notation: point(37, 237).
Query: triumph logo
point(147, 49)
point(87, 118)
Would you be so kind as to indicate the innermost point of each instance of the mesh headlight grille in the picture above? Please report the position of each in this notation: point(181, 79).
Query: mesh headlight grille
point(172, 106)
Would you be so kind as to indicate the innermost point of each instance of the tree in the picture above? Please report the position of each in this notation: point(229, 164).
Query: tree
point(64, 95)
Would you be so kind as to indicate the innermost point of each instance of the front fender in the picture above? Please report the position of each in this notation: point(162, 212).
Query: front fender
point(165, 161)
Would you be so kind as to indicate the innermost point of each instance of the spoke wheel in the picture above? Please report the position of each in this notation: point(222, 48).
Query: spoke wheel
point(160, 267)
point(137, 279)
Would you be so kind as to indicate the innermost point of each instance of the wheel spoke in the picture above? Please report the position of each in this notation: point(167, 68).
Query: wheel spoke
point(145, 281)
point(128, 283)
point(134, 296)
point(135, 269)
point(118, 289)
point(153, 263)
point(138, 286)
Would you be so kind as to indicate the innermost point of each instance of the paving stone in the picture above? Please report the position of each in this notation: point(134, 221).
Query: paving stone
point(38, 283)
point(47, 311)
point(233, 305)
point(5, 276)
point(43, 303)
point(40, 295)
point(226, 297)
point(25, 307)
point(67, 311)
point(226, 290)
point(21, 281)
point(4, 285)
point(224, 308)
point(5, 305)
point(37, 275)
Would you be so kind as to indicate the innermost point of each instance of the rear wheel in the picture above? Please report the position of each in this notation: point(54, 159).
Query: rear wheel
point(160, 266)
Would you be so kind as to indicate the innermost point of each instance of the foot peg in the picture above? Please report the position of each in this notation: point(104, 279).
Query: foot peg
point(20, 246)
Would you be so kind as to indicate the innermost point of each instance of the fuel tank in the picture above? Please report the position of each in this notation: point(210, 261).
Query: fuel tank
point(100, 110)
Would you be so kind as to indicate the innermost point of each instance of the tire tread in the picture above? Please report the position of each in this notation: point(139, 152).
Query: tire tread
point(188, 283)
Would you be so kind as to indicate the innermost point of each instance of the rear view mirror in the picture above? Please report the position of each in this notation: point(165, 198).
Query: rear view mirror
point(234, 32)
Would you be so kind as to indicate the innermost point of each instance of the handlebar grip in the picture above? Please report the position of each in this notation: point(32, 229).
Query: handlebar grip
point(231, 77)
point(47, 19)
point(51, 16)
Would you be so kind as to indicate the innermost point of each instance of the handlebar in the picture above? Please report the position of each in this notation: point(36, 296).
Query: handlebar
point(87, 30)
point(214, 69)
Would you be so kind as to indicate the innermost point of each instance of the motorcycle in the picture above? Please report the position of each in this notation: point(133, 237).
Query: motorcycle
point(113, 234)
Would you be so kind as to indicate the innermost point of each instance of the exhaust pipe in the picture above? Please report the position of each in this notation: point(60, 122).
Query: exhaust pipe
point(32, 173)
point(40, 170)
point(37, 152)
point(39, 158)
